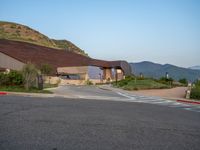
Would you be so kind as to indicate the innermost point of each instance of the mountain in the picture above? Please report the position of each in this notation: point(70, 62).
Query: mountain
point(150, 69)
point(195, 67)
point(18, 32)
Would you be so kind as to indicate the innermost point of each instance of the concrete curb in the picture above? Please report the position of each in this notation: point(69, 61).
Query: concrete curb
point(188, 101)
point(29, 94)
point(3, 93)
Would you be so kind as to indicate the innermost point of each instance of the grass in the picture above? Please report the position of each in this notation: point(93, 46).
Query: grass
point(22, 89)
point(17, 32)
point(135, 84)
point(47, 85)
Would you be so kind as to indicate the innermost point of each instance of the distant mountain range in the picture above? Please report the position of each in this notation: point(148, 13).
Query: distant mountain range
point(150, 69)
point(18, 32)
point(195, 67)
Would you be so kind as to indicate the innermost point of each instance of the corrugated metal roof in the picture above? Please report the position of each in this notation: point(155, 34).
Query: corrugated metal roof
point(26, 52)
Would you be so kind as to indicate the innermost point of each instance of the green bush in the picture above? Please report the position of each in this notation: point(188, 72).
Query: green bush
point(183, 81)
point(4, 79)
point(195, 93)
point(12, 78)
point(197, 83)
point(15, 78)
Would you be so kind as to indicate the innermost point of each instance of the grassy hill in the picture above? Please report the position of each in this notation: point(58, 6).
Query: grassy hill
point(154, 70)
point(18, 32)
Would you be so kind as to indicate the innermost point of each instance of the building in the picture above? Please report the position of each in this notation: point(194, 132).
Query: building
point(67, 66)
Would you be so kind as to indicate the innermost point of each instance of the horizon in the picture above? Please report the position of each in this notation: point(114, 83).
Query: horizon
point(165, 64)
point(134, 31)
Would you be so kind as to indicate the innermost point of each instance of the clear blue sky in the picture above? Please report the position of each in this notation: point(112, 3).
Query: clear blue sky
point(162, 31)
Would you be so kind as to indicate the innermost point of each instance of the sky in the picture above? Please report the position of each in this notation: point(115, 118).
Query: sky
point(161, 31)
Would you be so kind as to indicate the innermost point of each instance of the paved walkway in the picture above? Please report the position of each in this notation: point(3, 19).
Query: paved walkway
point(178, 92)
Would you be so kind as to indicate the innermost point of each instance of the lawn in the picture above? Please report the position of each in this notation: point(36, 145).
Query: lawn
point(135, 84)
point(22, 89)
point(47, 85)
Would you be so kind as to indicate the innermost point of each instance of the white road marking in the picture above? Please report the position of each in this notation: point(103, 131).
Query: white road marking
point(130, 97)
point(159, 101)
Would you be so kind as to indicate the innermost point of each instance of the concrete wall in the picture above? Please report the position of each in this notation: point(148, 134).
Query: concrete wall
point(72, 82)
point(82, 71)
point(10, 63)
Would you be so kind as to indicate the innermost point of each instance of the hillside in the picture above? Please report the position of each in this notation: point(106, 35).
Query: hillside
point(18, 32)
point(154, 70)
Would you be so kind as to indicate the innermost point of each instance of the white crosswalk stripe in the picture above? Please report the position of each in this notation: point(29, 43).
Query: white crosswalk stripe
point(159, 101)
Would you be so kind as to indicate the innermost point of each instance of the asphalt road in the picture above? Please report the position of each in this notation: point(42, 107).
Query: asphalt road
point(28, 123)
point(85, 92)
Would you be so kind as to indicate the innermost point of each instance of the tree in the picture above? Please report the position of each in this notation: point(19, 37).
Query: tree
point(46, 69)
point(29, 73)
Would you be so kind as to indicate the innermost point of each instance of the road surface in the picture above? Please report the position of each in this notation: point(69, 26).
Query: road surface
point(32, 123)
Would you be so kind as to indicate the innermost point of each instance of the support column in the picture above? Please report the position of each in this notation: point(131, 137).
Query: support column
point(119, 74)
point(107, 73)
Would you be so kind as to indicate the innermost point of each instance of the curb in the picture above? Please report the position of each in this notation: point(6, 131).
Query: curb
point(3, 93)
point(186, 101)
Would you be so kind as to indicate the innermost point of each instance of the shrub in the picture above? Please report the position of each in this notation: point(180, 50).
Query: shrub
point(183, 81)
point(30, 73)
point(13, 26)
point(165, 80)
point(15, 78)
point(195, 93)
point(197, 83)
point(12, 78)
point(88, 82)
point(4, 79)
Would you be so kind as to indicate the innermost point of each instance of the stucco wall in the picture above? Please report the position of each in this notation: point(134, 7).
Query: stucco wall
point(10, 63)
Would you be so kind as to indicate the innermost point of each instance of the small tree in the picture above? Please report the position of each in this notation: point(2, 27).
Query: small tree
point(30, 73)
point(46, 69)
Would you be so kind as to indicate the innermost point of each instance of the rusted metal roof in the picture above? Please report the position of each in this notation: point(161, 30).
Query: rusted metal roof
point(26, 52)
